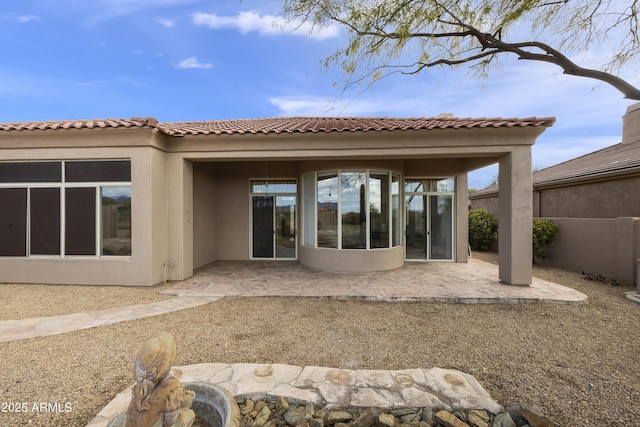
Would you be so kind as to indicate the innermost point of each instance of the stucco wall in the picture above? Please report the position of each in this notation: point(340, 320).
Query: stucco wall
point(597, 245)
point(204, 214)
point(142, 268)
point(351, 260)
point(488, 203)
point(601, 245)
point(607, 199)
point(232, 210)
point(159, 239)
point(603, 199)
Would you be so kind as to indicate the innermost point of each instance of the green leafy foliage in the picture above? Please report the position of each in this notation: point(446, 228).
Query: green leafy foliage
point(483, 229)
point(544, 233)
point(398, 36)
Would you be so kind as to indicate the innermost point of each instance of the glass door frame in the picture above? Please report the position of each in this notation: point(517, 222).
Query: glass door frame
point(426, 197)
point(274, 216)
point(430, 236)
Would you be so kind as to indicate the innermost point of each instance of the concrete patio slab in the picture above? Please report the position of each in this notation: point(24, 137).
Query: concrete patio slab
point(473, 282)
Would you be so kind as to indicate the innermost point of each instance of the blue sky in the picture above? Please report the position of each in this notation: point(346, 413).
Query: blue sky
point(188, 60)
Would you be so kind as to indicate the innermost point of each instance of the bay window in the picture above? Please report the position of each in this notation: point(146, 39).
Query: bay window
point(352, 209)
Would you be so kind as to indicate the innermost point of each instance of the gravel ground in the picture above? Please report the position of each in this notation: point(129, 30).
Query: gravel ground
point(579, 364)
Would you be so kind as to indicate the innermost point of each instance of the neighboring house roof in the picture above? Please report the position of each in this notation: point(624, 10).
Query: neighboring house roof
point(610, 161)
point(286, 124)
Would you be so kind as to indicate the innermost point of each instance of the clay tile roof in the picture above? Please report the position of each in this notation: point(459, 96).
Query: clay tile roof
point(340, 124)
point(79, 124)
point(284, 124)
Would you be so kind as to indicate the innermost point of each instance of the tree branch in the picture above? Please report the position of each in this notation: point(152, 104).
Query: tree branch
point(569, 67)
point(383, 30)
point(442, 61)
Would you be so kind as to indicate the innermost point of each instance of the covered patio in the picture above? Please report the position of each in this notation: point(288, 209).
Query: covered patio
point(473, 282)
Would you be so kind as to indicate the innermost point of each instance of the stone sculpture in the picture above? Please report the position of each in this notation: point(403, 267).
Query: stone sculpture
point(158, 399)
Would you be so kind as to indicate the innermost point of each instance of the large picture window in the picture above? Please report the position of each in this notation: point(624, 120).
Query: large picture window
point(352, 209)
point(65, 208)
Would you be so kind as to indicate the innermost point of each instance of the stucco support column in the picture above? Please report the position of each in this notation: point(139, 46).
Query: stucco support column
point(180, 188)
point(515, 217)
point(462, 218)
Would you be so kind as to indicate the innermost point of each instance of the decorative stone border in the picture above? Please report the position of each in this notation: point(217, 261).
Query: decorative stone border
point(435, 387)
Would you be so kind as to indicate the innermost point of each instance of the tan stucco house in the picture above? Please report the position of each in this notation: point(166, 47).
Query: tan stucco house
point(135, 202)
point(594, 200)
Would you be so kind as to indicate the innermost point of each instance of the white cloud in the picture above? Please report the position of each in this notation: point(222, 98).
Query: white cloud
point(557, 149)
point(165, 22)
point(192, 62)
point(247, 22)
point(368, 104)
point(301, 105)
point(23, 19)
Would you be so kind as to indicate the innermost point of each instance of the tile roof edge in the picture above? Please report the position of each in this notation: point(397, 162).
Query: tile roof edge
point(187, 127)
point(585, 177)
point(149, 122)
point(316, 124)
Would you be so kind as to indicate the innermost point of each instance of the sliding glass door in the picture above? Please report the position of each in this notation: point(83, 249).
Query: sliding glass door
point(440, 234)
point(273, 221)
point(429, 219)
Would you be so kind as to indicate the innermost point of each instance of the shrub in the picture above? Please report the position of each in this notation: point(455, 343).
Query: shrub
point(544, 233)
point(483, 229)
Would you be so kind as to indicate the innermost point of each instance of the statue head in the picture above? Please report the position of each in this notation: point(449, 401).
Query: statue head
point(156, 357)
point(152, 364)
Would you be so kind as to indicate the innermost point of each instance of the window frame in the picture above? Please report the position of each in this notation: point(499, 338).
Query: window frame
point(62, 185)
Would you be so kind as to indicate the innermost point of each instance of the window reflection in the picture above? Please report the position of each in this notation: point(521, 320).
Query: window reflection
point(396, 210)
point(379, 209)
point(353, 211)
point(439, 185)
point(328, 210)
point(368, 203)
point(279, 186)
point(116, 221)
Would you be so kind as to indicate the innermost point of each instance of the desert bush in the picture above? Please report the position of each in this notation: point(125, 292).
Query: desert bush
point(544, 233)
point(483, 229)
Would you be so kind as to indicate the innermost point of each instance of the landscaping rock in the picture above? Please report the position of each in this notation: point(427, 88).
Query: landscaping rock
point(386, 420)
point(366, 419)
point(504, 420)
point(478, 418)
point(278, 412)
point(534, 416)
point(262, 417)
point(338, 417)
point(447, 419)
